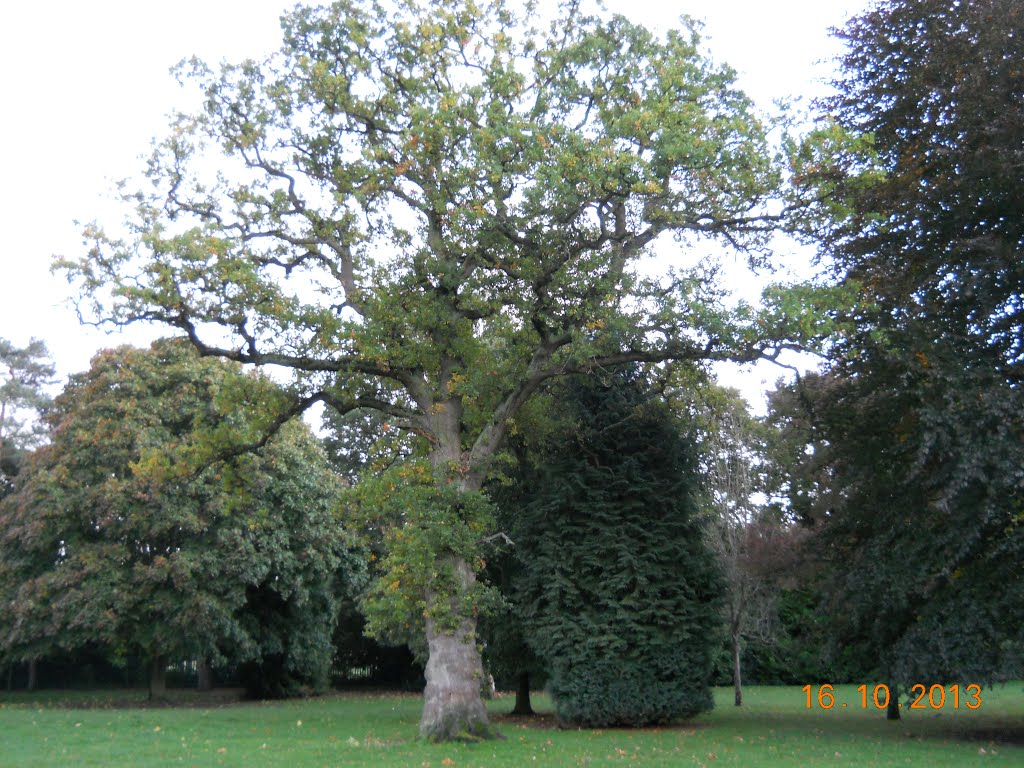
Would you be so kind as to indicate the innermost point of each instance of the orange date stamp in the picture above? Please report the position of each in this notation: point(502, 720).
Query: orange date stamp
point(921, 696)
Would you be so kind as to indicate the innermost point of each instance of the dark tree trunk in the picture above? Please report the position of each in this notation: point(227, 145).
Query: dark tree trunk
point(523, 696)
point(10, 677)
point(157, 678)
point(892, 712)
point(737, 679)
point(204, 677)
point(453, 709)
point(33, 674)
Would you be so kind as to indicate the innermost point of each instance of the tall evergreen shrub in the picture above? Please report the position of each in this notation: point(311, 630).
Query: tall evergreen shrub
point(619, 591)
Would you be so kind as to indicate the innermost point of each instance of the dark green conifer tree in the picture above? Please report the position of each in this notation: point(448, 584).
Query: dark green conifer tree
point(618, 589)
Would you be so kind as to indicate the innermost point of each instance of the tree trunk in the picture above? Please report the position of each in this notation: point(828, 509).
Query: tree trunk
point(453, 709)
point(157, 678)
point(523, 696)
point(204, 677)
point(10, 677)
point(737, 680)
point(892, 712)
point(33, 674)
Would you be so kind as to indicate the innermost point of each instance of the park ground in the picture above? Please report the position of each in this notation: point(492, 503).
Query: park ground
point(773, 728)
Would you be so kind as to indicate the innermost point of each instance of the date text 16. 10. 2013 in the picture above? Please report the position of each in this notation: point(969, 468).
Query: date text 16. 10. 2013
point(921, 696)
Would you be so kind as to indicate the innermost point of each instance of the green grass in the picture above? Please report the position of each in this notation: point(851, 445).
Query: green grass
point(773, 728)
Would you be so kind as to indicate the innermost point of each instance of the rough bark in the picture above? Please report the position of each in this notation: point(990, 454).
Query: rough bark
point(157, 678)
point(453, 705)
point(453, 709)
point(523, 706)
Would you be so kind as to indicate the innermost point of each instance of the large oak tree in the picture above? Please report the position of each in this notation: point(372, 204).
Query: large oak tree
point(430, 209)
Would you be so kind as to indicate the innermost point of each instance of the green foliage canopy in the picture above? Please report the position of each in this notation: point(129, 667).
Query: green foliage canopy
point(917, 468)
point(125, 535)
point(25, 373)
point(431, 209)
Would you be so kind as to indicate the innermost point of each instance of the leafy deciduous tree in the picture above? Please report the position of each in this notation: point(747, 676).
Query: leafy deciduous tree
point(24, 376)
point(920, 410)
point(431, 209)
point(124, 533)
point(739, 529)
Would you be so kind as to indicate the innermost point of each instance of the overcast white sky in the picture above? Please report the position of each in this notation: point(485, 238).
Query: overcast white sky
point(85, 87)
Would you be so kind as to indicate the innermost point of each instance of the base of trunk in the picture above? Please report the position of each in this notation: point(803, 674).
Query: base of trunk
point(453, 709)
point(892, 711)
point(523, 706)
point(458, 722)
point(33, 674)
point(204, 676)
point(737, 677)
point(157, 678)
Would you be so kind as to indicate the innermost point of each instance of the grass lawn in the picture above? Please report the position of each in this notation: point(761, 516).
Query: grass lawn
point(773, 728)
